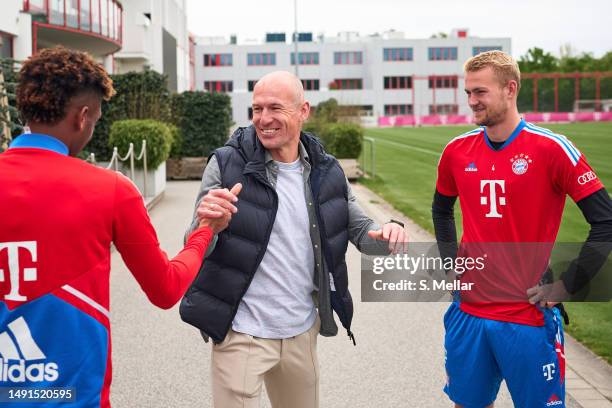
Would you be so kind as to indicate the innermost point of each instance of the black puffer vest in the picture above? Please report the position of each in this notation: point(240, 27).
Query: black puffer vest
point(212, 301)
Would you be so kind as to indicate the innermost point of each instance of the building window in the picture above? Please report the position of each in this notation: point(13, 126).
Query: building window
point(219, 86)
point(275, 37)
point(353, 83)
point(398, 82)
point(397, 54)
point(36, 5)
point(310, 84)
point(304, 37)
point(306, 58)
point(6, 45)
point(250, 113)
point(395, 110)
point(444, 109)
point(104, 17)
point(261, 59)
point(56, 11)
point(95, 16)
point(442, 53)
point(443, 81)
point(348, 57)
point(485, 48)
point(251, 85)
point(72, 13)
point(217, 60)
point(85, 23)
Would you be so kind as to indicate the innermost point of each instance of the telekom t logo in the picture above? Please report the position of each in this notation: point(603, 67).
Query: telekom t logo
point(491, 200)
point(14, 270)
point(548, 370)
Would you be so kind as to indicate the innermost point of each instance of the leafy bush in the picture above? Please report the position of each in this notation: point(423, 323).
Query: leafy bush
point(140, 95)
point(157, 134)
point(8, 111)
point(204, 120)
point(343, 140)
point(329, 122)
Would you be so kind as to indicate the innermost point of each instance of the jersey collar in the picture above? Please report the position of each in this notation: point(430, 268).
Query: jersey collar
point(513, 136)
point(40, 141)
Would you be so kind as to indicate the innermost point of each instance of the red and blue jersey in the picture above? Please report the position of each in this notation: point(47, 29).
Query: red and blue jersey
point(512, 201)
point(59, 218)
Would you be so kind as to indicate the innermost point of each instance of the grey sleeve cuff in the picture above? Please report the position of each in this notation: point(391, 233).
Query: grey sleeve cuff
point(211, 179)
point(360, 224)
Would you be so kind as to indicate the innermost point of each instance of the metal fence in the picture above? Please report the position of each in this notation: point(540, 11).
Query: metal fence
point(368, 141)
point(131, 156)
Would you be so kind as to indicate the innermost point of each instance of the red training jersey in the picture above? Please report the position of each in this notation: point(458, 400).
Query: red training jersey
point(511, 201)
point(59, 218)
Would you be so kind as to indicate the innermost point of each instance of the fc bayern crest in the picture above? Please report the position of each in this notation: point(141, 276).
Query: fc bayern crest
point(520, 164)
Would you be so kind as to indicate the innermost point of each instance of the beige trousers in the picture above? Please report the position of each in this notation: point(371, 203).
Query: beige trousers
point(289, 368)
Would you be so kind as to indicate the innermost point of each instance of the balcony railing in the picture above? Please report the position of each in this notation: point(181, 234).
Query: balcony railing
point(99, 17)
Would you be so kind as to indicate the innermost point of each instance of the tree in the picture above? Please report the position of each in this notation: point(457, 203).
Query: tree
point(537, 60)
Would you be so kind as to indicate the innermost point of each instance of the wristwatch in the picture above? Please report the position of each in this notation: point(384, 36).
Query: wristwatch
point(398, 223)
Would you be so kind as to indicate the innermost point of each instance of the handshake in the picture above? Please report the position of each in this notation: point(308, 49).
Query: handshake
point(217, 207)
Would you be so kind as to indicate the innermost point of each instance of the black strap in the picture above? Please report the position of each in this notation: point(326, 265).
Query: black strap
point(397, 222)
point(351, 337)
point(563, 313)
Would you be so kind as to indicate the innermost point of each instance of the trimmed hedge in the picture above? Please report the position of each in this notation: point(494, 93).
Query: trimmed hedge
point(157, 134)
point(140, 95)
point(176, 149)
point(204, 120)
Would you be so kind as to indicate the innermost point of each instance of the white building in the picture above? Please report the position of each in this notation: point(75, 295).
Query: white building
point(383, 75)
point(126, 35)
point(157, 37)
point(95, 26)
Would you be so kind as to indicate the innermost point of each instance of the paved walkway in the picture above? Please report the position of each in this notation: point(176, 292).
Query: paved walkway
point(398, 362)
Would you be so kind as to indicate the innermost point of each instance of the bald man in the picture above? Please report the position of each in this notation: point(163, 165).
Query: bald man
point(277, 273)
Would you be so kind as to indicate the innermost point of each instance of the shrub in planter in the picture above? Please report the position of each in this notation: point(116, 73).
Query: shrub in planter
point(157, 134)
point(343, 140)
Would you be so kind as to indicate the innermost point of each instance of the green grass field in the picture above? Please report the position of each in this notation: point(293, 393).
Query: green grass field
point(406, 161)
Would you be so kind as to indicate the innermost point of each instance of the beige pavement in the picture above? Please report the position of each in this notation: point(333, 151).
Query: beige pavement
point(398, 362)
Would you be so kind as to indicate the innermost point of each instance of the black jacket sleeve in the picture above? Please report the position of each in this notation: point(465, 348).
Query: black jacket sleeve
point(443, 215)
point(597, 210)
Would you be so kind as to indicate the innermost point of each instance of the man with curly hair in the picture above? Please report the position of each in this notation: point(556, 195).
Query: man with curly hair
point(59, 218)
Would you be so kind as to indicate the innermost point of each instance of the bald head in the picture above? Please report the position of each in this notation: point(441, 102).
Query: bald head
point(279, 111)
point(284, 84)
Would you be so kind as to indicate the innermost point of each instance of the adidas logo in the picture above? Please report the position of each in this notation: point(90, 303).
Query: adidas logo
point(553, 401)
point(471, 167)
point(20, 359)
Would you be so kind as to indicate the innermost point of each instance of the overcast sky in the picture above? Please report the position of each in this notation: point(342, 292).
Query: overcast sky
point(548, 24)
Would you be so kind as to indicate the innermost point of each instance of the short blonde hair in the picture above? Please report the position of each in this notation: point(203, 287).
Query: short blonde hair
point(504, 66)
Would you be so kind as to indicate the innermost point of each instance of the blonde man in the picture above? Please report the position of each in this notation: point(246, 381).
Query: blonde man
point(512, 178)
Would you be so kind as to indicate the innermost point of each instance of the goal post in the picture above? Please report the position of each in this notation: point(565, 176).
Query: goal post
point(593, 105)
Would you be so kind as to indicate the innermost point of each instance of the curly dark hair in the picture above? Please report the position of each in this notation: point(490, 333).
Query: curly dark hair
point(49, 79)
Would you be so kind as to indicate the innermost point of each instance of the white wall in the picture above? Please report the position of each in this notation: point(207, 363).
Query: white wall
point(13, 22)
point(142, 39)
point(9, 17)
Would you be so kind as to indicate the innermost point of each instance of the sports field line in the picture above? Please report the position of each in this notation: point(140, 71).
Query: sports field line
point(418, 149)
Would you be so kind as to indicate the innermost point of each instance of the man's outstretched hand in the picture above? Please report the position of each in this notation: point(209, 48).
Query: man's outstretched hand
point(394, 234)
point(217, 207)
